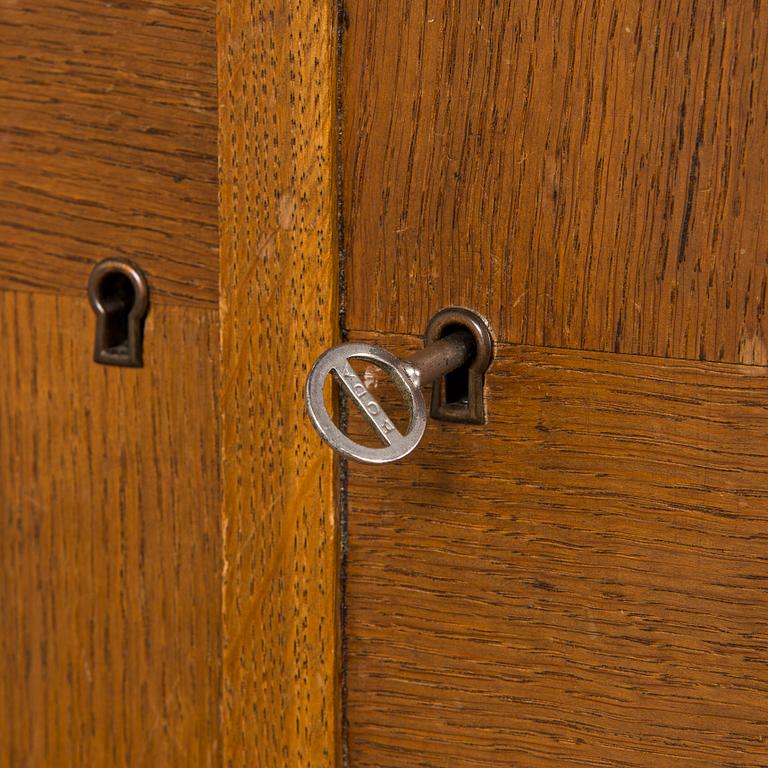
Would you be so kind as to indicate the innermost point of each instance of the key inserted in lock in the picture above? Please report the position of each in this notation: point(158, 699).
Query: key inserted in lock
point(458, 342)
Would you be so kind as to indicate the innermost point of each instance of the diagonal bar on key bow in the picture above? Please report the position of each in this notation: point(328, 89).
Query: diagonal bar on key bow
point(368, 404)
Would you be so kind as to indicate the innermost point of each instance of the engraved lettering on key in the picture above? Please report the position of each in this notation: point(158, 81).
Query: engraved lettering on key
point(368, 405)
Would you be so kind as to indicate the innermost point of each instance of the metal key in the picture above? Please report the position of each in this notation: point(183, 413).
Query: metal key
point(428, 365)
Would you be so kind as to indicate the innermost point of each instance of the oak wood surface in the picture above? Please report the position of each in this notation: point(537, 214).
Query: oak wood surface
point(108, 144)
point(589, 175)
point(279, 310)
point(110, 554)
point(581, 582)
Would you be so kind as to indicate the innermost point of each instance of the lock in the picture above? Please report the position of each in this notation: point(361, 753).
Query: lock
point(459, 346)
point(459, 395)
point(119, 295)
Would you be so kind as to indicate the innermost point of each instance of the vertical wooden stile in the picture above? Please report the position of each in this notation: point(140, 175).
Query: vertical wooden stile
point(279, 308)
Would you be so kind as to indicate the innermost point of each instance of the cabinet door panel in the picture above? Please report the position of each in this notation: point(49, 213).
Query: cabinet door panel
point(108, 128)
point(110, 548)
point(579, 582)
point(589, 175)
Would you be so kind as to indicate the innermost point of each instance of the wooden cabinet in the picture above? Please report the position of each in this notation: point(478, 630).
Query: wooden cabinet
point(187, 574)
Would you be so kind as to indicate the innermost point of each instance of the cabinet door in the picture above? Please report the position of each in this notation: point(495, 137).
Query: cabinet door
point(109, 477)
point(581, 581)
point(168, 534)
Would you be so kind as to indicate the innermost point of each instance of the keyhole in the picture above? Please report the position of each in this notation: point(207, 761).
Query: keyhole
point(119, 295)
point(457, 382)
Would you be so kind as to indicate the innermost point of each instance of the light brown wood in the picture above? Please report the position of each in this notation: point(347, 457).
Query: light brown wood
point(110, 553)
point(580, 582)
point(590, 175)
point(279, 310)
point(108, 144)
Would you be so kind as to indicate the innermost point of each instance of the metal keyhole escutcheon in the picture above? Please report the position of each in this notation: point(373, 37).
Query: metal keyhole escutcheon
point(466, 343)
point(119, 295)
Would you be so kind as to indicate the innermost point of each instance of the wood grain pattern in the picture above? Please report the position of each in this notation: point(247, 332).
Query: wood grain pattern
point(279, 305)
point(108, 144)
point(110, 554)
point(590, 175)
point(582, 582)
